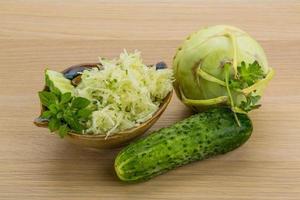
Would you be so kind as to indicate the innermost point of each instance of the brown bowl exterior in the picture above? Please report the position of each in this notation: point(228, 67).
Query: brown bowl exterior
point(116, 140)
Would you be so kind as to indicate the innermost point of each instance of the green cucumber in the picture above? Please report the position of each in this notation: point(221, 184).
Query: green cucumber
point(198, 137)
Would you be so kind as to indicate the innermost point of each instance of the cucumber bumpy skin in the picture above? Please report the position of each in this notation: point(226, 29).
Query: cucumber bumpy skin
point(198, 137)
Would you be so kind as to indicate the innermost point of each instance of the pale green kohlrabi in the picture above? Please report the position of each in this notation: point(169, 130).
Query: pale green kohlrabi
point(221, 66)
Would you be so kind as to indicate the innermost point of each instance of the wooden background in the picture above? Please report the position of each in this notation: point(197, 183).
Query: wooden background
point(56, 34)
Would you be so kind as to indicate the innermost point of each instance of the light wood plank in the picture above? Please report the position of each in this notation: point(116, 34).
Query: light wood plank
point(56, 34)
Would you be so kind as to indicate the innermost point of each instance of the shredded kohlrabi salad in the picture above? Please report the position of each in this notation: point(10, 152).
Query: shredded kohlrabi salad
point(124, 92)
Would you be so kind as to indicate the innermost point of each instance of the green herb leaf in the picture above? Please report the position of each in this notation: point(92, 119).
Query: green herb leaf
point(54, 124)
point(53, 108)
point(252, 73)
point(59, 115)
point(63, 130)
point(80, 102)
point(68, 118)
point(236, 84)
point(68, 112)
point(74, 123)
point(66, 97)
point(248, 75)
point(62, 115)
point(250, 103)
point(84, 113)
point(46, 114)
point(47, 98)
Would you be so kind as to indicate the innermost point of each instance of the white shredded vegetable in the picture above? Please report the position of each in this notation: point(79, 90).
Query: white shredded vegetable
point(125, 92)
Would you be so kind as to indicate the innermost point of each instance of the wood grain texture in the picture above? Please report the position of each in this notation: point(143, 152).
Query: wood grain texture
point(56, 34)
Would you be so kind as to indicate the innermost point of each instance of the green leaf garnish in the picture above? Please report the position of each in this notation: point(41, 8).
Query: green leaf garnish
point(59, 115)
point(80, 102)
point(54, 124)
point(250, 103)
point(47, 98)
point(247, 75)
point(250, 74)
point(84, 112)
point(65, 112)
point(53, 108)
point(46, 114)
point(63, 130)
point(74, 123)
point(65, 98)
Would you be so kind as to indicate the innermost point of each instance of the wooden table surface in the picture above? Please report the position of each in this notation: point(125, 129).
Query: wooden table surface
point(56, 34)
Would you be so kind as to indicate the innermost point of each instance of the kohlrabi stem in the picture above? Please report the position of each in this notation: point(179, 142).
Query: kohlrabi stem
point(245, 91)
point(209, 77)
point(234, 47)
point(202, 102)
point(227, 70)
point(259, 83)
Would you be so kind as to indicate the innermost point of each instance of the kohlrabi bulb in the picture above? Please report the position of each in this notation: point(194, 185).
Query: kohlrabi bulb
point(206, 57)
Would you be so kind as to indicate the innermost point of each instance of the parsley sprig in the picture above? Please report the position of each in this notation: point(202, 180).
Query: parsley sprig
point(248, 74)
point(65, 112)
point(250, 103)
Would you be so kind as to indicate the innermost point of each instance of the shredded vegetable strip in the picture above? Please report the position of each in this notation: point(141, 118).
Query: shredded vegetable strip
point(125, 92)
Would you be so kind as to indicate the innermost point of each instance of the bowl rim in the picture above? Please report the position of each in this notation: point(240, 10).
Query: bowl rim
point(163, 105)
